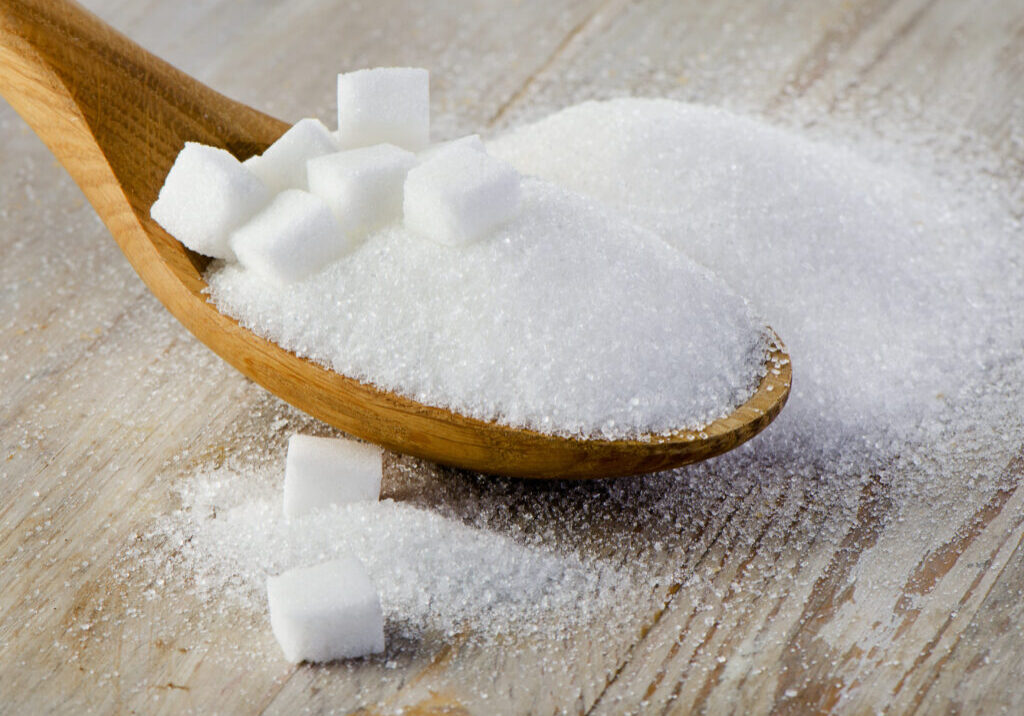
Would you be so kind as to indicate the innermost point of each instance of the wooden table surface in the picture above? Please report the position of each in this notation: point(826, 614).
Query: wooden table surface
point(784, 594)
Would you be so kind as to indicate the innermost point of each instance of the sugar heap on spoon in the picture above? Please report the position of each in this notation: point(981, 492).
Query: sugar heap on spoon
point(439, 273)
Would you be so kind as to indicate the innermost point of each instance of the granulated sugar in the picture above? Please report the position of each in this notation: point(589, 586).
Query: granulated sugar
point(873, 279)
point(886, 293)
point(567, 320)
point(433, 573)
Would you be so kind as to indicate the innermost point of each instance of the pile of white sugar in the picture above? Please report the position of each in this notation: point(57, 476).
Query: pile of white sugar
point(567, 320)
point(885, 295)
point(437, 272)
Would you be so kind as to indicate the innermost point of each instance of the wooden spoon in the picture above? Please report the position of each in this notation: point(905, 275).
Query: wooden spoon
point(116, 117)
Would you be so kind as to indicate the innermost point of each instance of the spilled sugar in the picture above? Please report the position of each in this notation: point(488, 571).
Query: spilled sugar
point(887, 293)
point(434, 573)
point(567, 320)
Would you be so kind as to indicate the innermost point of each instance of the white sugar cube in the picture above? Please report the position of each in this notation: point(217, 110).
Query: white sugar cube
point(329, 471)
point(206, 196)
point(363, 186)
point(325, 612)
point(384, 105)
point(294, 237)
point(460, 195)
point(472, 141)
point(283, 165)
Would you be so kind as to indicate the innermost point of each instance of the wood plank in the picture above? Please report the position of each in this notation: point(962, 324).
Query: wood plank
point(786, 593)
point(973, 673)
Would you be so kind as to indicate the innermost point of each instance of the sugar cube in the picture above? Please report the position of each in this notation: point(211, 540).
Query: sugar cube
point(363, 186)
point(206, 196)
point(325, 612)
point(283, 164)
point(295, 236)
point(326, 471)
point(459, 195)
point(472, 141)
point(384, 105)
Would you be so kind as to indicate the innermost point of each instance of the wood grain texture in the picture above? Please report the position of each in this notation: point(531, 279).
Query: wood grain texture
point(116, 117)
point(781, 594)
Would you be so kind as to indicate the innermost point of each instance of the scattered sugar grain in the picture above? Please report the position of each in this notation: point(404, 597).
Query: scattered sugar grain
point(433, 573)
point(320, 472)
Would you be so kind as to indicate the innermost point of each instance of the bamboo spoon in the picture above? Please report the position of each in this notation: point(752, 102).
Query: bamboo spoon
point(116, 117)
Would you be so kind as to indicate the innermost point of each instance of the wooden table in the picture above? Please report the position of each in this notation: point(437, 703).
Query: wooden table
point(761, 600)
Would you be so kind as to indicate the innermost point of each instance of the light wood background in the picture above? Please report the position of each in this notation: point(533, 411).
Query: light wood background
point(757, 604)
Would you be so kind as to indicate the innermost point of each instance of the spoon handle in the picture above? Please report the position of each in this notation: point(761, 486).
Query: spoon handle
point(113, 114)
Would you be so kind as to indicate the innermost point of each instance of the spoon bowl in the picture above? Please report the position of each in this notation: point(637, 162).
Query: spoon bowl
point(116, 117)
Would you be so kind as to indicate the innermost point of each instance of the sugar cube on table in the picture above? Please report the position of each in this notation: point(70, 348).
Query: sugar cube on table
point(295, 236)
point(384, 105)
point(207, 194)
point(283, 164)
point(325, 471)
point(325, 612)
point(362, 186)
point(472, 141)
point(459, 195)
